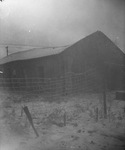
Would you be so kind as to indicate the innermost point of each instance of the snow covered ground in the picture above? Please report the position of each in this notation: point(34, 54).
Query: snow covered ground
point(68, 123)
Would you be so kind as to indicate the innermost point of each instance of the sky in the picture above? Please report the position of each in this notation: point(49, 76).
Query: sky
point(47, 23)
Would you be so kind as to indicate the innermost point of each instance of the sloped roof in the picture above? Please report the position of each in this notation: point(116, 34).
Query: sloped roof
point(97, 46)
point(32, 53)
point(94, 44)
point(108, 51)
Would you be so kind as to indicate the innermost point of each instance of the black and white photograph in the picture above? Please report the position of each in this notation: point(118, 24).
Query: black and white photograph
point(62, 74)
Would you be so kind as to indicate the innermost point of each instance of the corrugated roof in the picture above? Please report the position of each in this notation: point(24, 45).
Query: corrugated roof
point(32, 53)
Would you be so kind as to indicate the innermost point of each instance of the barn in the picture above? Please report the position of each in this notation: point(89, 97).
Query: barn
point(86, 64)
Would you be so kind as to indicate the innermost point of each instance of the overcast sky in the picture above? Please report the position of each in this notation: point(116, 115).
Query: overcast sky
point(60, 22)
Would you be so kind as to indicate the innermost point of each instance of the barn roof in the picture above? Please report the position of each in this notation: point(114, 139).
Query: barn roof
point(32, 53)
point(94, 44)
point(98, 47)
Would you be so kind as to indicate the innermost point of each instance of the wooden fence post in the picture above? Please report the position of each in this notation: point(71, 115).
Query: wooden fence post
point(96, 114)
point(26, 110)
point(64, 118)
point(104, 95)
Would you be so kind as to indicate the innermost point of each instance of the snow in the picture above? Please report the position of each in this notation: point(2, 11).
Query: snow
point(83, 130)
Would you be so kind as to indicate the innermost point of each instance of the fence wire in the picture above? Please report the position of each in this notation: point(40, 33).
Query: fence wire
point(69, 83)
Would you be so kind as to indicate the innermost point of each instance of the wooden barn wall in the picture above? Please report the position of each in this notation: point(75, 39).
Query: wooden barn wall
point(84, 56)
point(81, 56)
point(13, 70)
point(78, 59)
point(52, 67)
point(46, 67)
